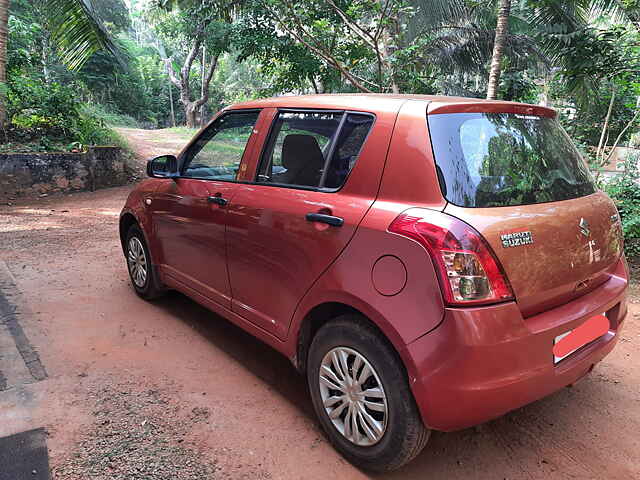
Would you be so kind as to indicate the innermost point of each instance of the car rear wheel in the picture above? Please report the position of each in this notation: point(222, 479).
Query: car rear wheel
point(361, 395)
point(139, 265)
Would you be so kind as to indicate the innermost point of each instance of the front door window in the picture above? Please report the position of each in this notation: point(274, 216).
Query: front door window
point(217, 153)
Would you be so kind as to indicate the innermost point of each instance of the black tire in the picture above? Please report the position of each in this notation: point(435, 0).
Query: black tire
point(405, 435)
point(151, 288)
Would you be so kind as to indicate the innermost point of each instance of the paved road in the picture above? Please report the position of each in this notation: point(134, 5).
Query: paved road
point(134, 385)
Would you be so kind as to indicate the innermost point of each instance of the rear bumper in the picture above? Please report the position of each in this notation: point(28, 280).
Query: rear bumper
point(480, 363)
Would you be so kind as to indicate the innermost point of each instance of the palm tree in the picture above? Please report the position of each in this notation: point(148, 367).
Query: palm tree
point(535, 36)
point(502, 29)
point(75, 30)
point(561, 23)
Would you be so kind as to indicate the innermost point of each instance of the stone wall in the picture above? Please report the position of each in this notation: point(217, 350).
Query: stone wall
point(26, 174)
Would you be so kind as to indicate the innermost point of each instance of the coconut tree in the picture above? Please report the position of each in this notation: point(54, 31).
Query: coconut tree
point(551, 24)
point(502, 29)
point(75, 30)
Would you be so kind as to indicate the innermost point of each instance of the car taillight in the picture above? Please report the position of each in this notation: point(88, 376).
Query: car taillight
point(468, 271)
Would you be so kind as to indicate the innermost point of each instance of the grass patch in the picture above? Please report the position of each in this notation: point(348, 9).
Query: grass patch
point(117, 140)
point(39, 141)
point(110, 118)
point(182, 131)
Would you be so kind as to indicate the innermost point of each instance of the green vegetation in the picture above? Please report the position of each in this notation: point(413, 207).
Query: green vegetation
point(625, 191)
point(109, 118)
point(183, 131)
point(165, 63)
point(47, 105)
point(49, 117)
point(74, 68)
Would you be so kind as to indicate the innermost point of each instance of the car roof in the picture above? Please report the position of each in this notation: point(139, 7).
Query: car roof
point(383, 102)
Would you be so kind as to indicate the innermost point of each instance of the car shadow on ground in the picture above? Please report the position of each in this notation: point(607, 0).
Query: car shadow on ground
point(509, 447)
point(258, 358)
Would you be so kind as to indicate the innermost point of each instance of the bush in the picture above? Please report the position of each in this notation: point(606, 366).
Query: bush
point(32, 104)
point(625, 191)
point(46, 117)
point(109, 118)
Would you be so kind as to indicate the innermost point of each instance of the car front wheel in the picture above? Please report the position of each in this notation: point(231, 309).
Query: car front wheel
point(361, 395)
point(139, 265)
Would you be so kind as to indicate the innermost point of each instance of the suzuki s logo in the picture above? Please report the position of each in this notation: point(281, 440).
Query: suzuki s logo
point(584, 227)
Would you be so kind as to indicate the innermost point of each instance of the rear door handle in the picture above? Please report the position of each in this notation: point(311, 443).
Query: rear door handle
point(328, 219)
point(217, 200)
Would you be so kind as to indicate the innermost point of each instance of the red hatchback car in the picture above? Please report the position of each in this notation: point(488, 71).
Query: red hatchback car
point(426, 262)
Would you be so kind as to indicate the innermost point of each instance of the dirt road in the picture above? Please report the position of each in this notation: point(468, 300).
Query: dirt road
point(169, 390)
point(147, 144)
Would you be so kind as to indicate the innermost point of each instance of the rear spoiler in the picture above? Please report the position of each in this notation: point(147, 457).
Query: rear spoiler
point(484, 106)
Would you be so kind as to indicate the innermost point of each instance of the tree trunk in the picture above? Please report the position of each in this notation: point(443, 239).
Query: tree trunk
point(384, 50)
point(181, 81)
point(203, 69)
point(191, 114)
point(387, 45)
point(546, 89)
point(624, 130)
point(602, 144)
point(318, 86)
point(502, 29)
point(173, 113)
point(45, 55)
point(4, 35)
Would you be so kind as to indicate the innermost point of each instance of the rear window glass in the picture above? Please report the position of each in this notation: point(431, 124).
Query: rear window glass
point(504, 159)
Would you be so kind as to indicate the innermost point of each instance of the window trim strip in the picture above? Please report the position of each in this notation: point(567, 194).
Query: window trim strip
point(332, 149)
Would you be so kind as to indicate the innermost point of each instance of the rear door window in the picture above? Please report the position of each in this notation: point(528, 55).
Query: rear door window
point(503, 159)
point(313, 149)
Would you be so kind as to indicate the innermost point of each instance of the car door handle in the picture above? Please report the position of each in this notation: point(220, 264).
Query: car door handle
point(217, 200)
point(328, 219)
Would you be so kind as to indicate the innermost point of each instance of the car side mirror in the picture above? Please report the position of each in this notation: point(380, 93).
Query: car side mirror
point(165, 166)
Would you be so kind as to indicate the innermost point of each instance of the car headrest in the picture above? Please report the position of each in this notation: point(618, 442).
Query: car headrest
point(301, 152)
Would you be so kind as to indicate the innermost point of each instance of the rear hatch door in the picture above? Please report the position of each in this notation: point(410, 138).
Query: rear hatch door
point(519, 181)
point(551, 252)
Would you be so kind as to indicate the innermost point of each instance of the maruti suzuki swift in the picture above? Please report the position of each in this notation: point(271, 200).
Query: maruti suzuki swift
point(428, 263)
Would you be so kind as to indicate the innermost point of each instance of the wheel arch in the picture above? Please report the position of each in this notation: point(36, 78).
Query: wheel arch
point(326, 311)
point(127, 220)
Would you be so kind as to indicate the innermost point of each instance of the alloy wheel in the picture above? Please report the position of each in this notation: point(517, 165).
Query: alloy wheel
point(137, 261)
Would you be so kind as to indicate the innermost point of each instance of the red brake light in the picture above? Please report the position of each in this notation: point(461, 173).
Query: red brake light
point(468, 271)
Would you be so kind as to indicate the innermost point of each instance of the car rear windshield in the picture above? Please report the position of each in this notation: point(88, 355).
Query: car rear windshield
point(505, 159)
